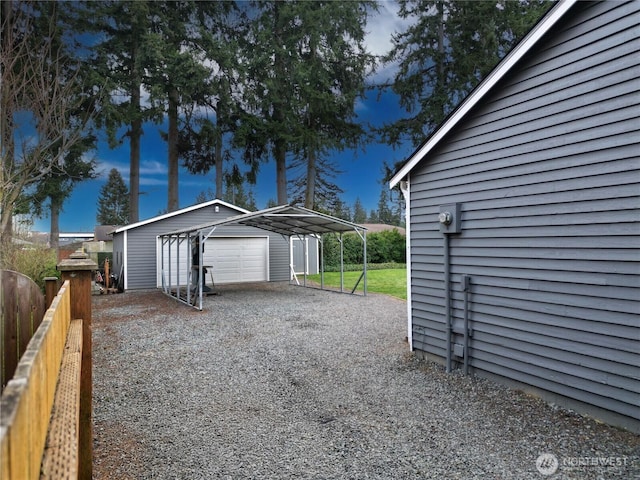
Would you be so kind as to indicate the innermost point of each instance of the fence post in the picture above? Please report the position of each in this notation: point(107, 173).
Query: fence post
point(78, 269)
point(51, 287)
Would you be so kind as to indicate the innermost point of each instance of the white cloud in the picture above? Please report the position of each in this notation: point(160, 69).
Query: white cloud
point(153, 167)
point(381, 27)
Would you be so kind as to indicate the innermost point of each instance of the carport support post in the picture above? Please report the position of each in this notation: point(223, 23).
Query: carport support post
point(78, 269)
point(364, 248)
point(341, 263)
point(321, 238)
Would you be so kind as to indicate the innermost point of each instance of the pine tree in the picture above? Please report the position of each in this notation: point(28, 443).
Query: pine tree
point(359, 213)
point(385, 215)
point(450, 47)
point(307, 64)
point(113, 203)
point(119, 60)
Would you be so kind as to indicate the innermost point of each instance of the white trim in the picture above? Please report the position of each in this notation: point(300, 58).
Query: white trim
point(125, 266)
point(159, 260)
point(179, 212)
point(485, 86)
point(406, 193)
point(75, 235)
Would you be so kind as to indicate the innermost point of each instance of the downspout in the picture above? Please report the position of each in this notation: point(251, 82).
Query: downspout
point(447, 300)
point(404, 188)
point(449, 219)
point(466, 287)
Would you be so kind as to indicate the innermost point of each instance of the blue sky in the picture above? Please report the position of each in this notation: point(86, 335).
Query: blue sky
point(362, 169)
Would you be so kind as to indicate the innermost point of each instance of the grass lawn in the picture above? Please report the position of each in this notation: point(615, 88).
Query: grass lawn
point(390, 282)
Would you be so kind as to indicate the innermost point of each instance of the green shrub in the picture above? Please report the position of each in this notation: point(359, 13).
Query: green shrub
point(34, 261)
point(383, 247)
point(357, 267)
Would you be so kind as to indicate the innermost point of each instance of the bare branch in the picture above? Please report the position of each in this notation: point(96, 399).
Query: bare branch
point(40, 111)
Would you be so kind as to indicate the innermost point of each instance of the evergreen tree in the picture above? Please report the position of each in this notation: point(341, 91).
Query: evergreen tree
point(450, 47)
point(212, 115)
point(120, 58)
point(235, 193)
point(57, 186)
point(359, 213)
point(271, 203)
point(307, 64)
point(385, 214)
point(113, 203)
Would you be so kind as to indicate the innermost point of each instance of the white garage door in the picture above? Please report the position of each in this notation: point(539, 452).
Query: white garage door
point(237, 259)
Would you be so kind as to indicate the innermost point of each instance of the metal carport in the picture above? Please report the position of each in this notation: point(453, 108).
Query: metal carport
point(286, 220)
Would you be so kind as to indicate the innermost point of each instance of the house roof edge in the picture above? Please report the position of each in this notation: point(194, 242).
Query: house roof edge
point(505, 65)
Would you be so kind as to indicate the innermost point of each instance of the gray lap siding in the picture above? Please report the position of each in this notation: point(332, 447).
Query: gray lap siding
point(547, 172)
point(141, 244)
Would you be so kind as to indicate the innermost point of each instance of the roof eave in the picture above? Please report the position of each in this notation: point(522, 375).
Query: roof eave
point(525, 45)
point(181, 211)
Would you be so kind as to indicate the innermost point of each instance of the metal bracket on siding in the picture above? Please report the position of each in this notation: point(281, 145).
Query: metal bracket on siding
point(465, 281)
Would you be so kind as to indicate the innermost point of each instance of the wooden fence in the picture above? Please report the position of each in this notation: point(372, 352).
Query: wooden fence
point(23, 308)
point(34, 443)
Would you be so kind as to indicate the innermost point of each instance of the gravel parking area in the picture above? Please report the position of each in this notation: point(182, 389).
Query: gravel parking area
point(273, 381)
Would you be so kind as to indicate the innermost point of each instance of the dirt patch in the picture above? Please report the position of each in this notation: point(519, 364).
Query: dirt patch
point(121, 460)
point(128, 306)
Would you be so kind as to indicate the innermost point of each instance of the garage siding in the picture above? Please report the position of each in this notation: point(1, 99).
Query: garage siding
point(141, 243)
point(546, 170)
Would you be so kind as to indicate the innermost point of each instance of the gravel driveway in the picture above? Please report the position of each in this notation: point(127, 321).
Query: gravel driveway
point(277, 381)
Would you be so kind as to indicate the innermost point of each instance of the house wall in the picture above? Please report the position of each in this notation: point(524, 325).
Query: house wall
point(546, 169)
point(140, 246)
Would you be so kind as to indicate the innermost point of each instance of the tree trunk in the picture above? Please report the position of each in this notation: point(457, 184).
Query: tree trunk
point(6, 132)
point(134, 154)
point(135, 135)
point(172, 139)
point(54, 238)
point(280, 147)
point(280, 155)
point(441, 87)
point(310, 192)
point(218, 160)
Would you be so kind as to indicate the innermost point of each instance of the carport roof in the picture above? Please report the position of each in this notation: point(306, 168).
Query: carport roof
point(284, 219)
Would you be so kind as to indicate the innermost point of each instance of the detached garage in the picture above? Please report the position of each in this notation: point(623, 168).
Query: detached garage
point(239, 253)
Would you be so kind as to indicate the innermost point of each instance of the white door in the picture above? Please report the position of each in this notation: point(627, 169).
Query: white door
point(237, 259)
